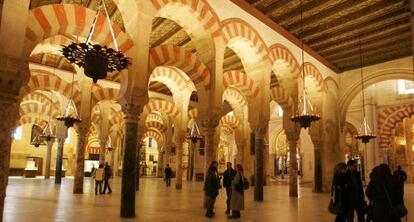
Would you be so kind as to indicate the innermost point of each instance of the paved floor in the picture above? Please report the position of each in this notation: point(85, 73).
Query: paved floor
point(39, 200)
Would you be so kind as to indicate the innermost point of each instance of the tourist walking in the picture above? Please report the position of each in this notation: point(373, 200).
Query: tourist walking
point(167, 175)
point(211, 187)
point(99, 177)
point(400, 175)
point(386, 195)
point(356, 193)
point(237, 194)
point(228, 177)
point(340, 192)
point(107, 176)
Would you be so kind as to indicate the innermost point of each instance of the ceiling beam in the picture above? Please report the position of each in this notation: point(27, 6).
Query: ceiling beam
point(283, 32)
point(167, 35)
point(310, 7)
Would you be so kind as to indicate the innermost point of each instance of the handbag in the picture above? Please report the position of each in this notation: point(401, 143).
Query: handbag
point(333, 207)
point(399, 209)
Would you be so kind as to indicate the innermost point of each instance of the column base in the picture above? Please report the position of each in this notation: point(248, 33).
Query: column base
point(178, 186)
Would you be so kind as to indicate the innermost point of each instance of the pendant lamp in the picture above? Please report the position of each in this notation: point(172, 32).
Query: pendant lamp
point(194, 134)
point(96, 60)
point(365, 133)
point(47, 133)
point(70, 116)
point(305, 114)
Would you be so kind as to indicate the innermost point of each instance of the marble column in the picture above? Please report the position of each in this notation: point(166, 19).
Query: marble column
point(59, 160)
point(48, 158)
point(371, 149)
point(9, 116)
point(102, 151)
point(293, 163)
point(408, 124)
point(240, 153)
point(272, 170)
point(317, 183)
point(129, 165)
point(112, 161)
point(209, 130)
point(82, 131)
point(160, 166)
point(179, 161)
point(259, 163)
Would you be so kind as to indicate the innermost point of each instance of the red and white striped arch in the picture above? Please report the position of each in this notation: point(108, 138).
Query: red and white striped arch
point(242, 82)
point(32, 120)
point(154, 117)
point(162, 106)
point(188, 62)
point(201, 10)
point(39, 97)
point(387, 120)
point(279, 52)
point(234, 97)
point(172, 77)
point(104, 94)
point(153, 134)
point(41, 108)
point(313, 72)
point(193, 113)
point(41, 81)
point(70, 20)
point(156, 125)
point(237, 30)
point(230, 121)
point(96, 118)
point(282, 97)
point(226, 129)
point(116, 118)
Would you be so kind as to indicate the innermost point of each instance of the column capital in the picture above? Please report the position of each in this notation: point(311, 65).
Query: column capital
point(259, 131)
point(209, 124)
point(132, 112)
point(292, 136)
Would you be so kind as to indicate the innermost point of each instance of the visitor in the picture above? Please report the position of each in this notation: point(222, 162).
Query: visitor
point(228, 176)
point(386, 194)
point(400, 175)
point(237, 194)
point(340, 190)
point(168, 175)
point(107, 176)
point(211, 187)
point(356, 193)
point(99, 176)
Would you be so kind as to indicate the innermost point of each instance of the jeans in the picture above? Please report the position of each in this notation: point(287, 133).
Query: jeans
point(210, 206)
point(228, 194)
point(106, 185)
point(360, 213)
point(98, 184)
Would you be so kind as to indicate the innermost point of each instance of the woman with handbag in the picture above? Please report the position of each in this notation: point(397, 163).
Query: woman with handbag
point(237, 194)
point(340, 193)
point(386, 195)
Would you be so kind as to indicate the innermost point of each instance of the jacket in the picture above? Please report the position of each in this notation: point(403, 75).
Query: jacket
point(211, 184)
point(99, 174)
point(237, 198)
point(228, 177)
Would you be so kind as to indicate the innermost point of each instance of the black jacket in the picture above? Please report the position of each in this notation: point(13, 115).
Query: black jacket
point(356, 189)
point(211, 184)
point(228, 177)
point(168, 172)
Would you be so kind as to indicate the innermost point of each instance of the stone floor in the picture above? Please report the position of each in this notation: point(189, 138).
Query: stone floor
point(39, 200)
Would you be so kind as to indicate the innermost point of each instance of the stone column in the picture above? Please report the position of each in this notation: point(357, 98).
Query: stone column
point(102, 150)
point(209, 130)
point(272, 170)
point(371, 152)
point(292, 138)
point(129, 165)
point(82, 131)
point(179, 142)
point(9, 116)
point(112, 161)
point(259, 163)
point(317, 183)
point(408, 124)
point(240, 152)
point(59, 160)
point(160, 167)
point(48, 158)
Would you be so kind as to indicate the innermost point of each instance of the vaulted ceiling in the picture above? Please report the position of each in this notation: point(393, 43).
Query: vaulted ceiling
point(333, 28)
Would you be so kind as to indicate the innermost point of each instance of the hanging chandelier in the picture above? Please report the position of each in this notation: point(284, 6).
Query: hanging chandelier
point(47, 133)
point(194, 134)
point(305, 114)
point(96, 60)
point(70, 117)
point(365, 134)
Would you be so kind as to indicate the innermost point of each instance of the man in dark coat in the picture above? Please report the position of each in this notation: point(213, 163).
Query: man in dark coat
point(227, 178)
point(168, 175)
point(107, 176)
point(211, 187)
point(356, 191)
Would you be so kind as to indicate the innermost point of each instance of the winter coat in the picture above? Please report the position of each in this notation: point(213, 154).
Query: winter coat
point(211, 184)
point(341, 192)
point(228, 176)
point(237, 198)
point(382, 211)
point(99, 174)
point(356, 189)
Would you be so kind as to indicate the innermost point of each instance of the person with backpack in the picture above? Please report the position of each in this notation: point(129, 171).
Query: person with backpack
point(99, 177)
point(107, 176)
point(237, 194)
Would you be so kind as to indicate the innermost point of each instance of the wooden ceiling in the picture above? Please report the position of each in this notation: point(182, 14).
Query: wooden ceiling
point(334, 28)
point(114, 13)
